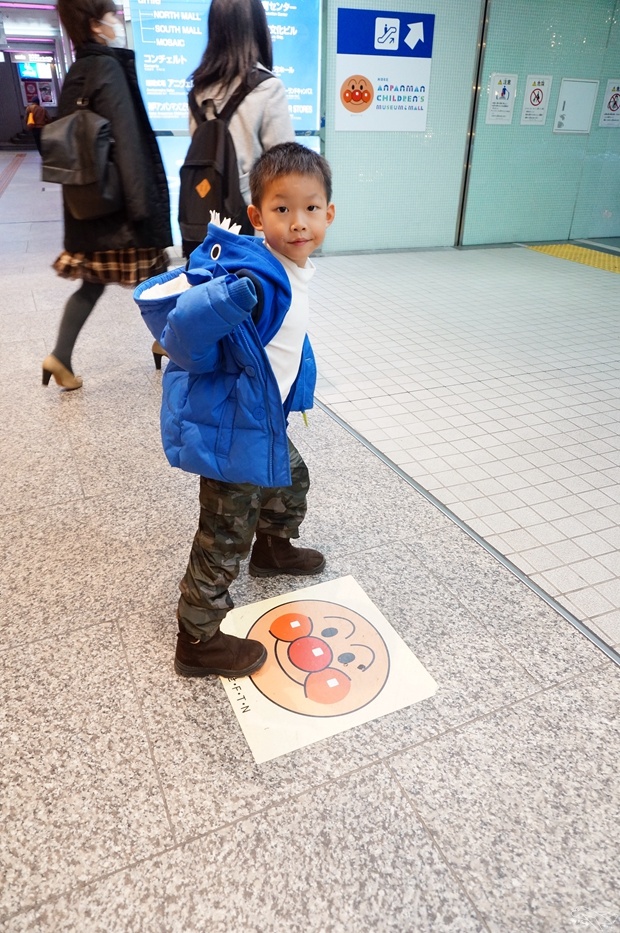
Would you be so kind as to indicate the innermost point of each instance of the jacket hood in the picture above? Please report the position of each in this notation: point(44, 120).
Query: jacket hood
point(222, 415)
point(225, 253)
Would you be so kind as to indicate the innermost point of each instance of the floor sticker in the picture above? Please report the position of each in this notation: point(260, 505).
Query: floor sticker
point(334, 662)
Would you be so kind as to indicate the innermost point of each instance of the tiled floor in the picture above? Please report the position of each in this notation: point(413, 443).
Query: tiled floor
point(128, 798)
point(492, 377)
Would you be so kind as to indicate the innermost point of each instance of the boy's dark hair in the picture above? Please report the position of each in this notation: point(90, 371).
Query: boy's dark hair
point(35, 100)
point(239, 37)
point(288, 159)
point(76, 16)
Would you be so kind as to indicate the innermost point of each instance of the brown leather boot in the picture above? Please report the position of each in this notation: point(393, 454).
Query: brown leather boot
point(272, 556)
point(225, 655)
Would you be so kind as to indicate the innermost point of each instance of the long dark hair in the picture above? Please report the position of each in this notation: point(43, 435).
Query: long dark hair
point(238, 38)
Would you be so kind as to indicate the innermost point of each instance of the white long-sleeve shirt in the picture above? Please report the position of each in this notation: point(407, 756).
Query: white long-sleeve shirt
point(285, 348)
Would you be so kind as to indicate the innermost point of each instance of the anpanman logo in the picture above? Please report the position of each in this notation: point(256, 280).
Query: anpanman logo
point(323, 659)
point(356, 94)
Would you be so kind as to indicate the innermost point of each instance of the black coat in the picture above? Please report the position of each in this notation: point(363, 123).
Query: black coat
point(107, 77)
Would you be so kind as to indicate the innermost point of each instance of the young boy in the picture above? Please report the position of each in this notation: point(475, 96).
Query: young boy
point(234, 326)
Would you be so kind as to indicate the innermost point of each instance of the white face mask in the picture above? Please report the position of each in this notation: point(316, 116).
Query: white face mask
point(120, 38)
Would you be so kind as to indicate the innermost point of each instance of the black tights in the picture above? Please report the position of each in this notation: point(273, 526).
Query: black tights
point(77, 310)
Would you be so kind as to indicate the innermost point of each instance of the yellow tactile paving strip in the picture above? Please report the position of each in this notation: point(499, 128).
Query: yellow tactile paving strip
point(588, 257)
point(9, 171)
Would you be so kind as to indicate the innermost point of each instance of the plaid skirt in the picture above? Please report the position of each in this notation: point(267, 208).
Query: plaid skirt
point(126, 267)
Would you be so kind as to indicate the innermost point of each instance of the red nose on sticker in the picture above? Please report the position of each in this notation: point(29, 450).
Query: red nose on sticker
point(310, 653)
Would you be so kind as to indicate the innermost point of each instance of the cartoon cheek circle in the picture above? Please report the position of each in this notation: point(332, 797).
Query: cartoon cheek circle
point(356, 94)
point(313, 656)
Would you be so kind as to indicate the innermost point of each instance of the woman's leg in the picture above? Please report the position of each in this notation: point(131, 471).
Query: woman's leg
point(76, 313)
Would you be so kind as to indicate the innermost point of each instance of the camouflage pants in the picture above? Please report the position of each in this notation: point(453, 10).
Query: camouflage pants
point(230, 514)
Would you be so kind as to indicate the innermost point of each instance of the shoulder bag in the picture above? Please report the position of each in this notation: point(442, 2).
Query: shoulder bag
point(77, 153)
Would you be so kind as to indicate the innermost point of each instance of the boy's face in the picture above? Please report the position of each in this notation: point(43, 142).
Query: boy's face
point(294, 216)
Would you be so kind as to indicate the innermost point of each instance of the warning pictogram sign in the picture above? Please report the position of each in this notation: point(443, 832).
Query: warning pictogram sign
point(610, 111)
point(536, 97)
point(536, 100)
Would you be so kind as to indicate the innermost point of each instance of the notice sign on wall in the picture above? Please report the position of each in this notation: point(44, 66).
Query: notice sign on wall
point(575, 107)
point(536, 100)
point(610, 112)
point(502, 91)
point(383, 70)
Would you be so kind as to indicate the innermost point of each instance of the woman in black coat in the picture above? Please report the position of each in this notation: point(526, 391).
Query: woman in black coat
point(128, 246)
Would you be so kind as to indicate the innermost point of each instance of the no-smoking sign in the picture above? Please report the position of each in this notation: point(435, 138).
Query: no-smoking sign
point(610, 111)
point(536, 100)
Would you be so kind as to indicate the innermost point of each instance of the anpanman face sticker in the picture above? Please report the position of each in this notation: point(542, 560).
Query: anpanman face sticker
point(356, 94)
point(323, 659)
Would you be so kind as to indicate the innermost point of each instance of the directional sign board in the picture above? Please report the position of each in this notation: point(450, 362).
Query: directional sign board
point(295, 31)
point(169, 37)
point(383, 70)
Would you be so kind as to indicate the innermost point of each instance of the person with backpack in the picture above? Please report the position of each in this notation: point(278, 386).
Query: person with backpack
point(36, 118)
point(129, 245)
point(236, 68)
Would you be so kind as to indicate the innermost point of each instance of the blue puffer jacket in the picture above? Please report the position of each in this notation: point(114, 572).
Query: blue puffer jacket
point(222, 415)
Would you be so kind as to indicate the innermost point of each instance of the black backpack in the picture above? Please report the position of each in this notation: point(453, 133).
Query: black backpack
point(209, 174)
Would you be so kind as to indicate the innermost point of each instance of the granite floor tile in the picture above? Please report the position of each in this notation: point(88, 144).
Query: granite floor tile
point(350, 486)
point(121, 450)
point(20, 362)
point(374, 870)
point(536, 636)
point(93, 560)
point(524, 805)
point(33, 478)
point(202, 754)
point(473, 668)
point(37, 468)
point(80, 792)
